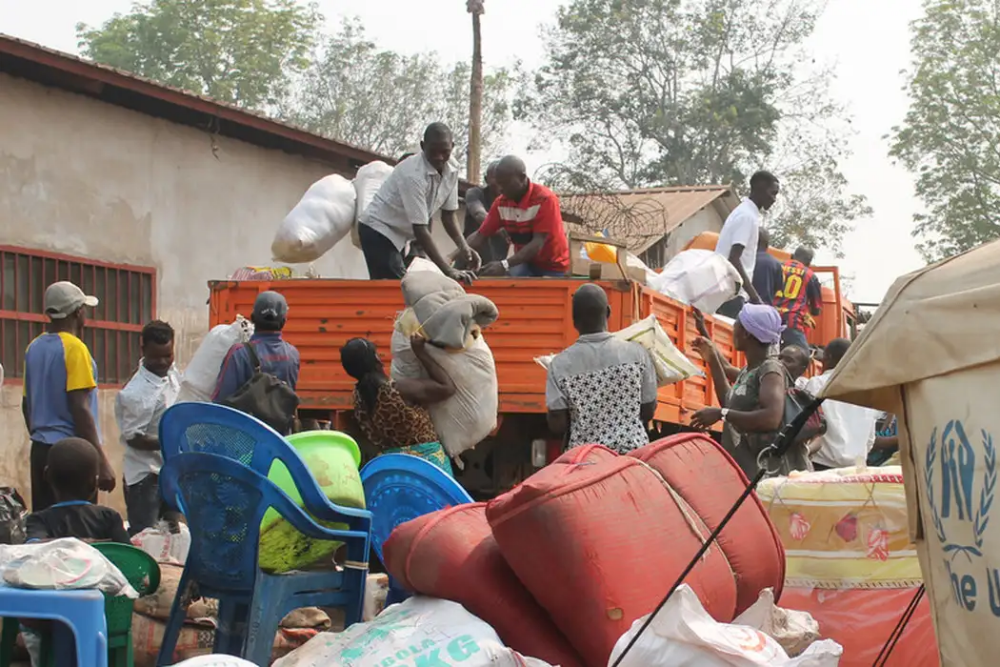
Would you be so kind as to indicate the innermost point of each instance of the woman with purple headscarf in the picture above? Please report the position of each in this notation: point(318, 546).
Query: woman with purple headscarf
point(753, 408)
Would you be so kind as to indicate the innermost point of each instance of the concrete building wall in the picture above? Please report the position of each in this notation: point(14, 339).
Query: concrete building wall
point(705, 220)
point(85, 178)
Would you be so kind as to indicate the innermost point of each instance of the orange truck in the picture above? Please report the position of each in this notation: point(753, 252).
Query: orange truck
point(535, 320)
point(838, 318)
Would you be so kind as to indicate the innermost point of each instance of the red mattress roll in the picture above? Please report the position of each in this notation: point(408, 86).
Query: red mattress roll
point(451, 554)
point(704, 475)
point(599, 543)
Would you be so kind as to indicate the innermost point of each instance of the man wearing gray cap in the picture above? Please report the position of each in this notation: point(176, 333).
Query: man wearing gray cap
point(277, 357)
point(60, 388)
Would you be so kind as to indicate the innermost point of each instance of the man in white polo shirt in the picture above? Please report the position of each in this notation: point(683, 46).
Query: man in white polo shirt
point(401, 211)
point(738, 239)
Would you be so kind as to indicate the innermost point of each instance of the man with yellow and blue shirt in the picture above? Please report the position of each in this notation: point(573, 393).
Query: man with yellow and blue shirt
point(60, 388)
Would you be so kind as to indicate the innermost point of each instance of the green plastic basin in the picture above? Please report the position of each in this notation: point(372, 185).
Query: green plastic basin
point(333, 459)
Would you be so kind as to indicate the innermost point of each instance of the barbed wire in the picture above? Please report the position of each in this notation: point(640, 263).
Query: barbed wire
point(624, 216)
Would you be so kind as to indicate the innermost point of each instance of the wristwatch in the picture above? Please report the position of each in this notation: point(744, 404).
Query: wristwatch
point(725, 413)
point(505, 264)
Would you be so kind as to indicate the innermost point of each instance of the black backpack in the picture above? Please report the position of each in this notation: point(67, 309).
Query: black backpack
point(266, 397)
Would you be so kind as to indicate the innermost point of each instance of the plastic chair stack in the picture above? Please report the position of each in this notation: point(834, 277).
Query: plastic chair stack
point(216, 462)
point(141, 571)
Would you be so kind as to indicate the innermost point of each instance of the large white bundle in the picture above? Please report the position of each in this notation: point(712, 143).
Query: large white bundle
point(684, 635)
point(322, 217)
point(420, 631)
point(468, 417)
point(202, 372)
point(367, 182)
point(701, 278)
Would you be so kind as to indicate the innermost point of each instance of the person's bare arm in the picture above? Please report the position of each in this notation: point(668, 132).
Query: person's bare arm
point(720, 379)
point(86, 428)
point(772, 407)
point(647, 411)
point(474, 207)
point(426, 391)
point(26, 413)
point(732, 372)
point(144, 443)
point(422, 235)
point(736, 259)
point(889, 442)
point(450, 221)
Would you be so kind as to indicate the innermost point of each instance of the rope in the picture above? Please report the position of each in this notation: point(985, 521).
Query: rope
point(897, 632)
point(785, 440)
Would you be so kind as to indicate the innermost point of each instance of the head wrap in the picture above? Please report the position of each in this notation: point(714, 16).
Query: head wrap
point(763, 322)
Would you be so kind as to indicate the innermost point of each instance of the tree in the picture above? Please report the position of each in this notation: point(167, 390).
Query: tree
point(475, 7)
point(238, 51)
point(382, 101)
point(950, 137)
point(679, 92)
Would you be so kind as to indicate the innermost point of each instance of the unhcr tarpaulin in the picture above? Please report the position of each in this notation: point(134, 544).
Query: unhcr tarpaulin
point(931, 355)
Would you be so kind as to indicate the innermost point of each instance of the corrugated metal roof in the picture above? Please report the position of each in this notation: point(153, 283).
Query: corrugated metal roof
point(643, 217)
point(69, 72)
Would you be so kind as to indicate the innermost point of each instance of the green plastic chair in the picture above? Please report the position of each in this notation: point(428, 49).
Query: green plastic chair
point(143, 574)
point(141, 571)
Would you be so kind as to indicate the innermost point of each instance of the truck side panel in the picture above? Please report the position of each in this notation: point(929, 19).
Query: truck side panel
point(535, 320)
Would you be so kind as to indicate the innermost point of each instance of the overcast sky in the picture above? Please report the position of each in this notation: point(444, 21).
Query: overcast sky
point(868, 42)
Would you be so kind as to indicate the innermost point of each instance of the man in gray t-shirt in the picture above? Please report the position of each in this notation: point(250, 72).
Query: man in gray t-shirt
point(600, 390)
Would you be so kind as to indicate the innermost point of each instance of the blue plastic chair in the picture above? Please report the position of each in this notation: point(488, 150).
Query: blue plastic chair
point(223, 431)
point(224, 503)
point(400, 488)
point(79, 611)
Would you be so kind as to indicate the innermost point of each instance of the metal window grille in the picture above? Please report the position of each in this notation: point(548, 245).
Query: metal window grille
point(127, 297)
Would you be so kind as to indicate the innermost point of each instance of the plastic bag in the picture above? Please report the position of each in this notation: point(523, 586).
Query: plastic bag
point(164, 546)
point(13, 513)
point(202, 372)
point(794, 630)
point(701, 278)
point(322, 217)
point(367, 182)
point(420, 631)
point(684, 635)
point(215, 661)
point(62, 564)
point(670, 363)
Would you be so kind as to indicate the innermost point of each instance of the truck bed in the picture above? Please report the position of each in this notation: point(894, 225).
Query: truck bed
point(535, 320)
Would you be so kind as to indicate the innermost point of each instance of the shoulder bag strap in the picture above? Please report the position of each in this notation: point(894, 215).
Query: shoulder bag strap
point(254, 359)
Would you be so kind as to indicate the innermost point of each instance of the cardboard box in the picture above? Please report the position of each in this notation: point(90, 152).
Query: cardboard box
point(581, 265)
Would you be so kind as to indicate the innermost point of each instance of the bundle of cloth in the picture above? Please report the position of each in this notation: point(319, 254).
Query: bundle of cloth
point(451, 320)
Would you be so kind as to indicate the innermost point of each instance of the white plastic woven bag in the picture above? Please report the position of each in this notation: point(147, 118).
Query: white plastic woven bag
point(323, 216)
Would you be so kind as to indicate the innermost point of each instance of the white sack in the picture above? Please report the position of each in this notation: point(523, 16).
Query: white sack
point(367, 182)
point(202, 372)
point(322, 217)
point(794, 630)
point(468, 417)
point(670, 363)
point(684, 635)
point(215, 661)
point(418, 631)
point(66, 563)
point(447, 315)
point(701, 278)
point(164, 546)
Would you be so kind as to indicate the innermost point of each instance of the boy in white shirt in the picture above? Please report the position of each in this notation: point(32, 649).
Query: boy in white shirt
point(138, 409)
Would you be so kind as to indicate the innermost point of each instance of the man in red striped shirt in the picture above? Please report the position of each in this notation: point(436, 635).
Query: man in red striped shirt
point(800, 298)
point(531, 216)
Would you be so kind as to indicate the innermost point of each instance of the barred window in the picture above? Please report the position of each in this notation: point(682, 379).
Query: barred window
point(127, 302)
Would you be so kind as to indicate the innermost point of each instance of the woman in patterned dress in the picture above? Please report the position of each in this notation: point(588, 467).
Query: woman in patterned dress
point(392, 414)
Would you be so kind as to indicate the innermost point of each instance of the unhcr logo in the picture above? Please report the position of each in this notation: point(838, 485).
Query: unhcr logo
point(960, 503)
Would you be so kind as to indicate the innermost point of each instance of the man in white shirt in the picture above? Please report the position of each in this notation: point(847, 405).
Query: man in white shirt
point(138, 409)
point(850, 429)
point(401, 211)
point(738, 239)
